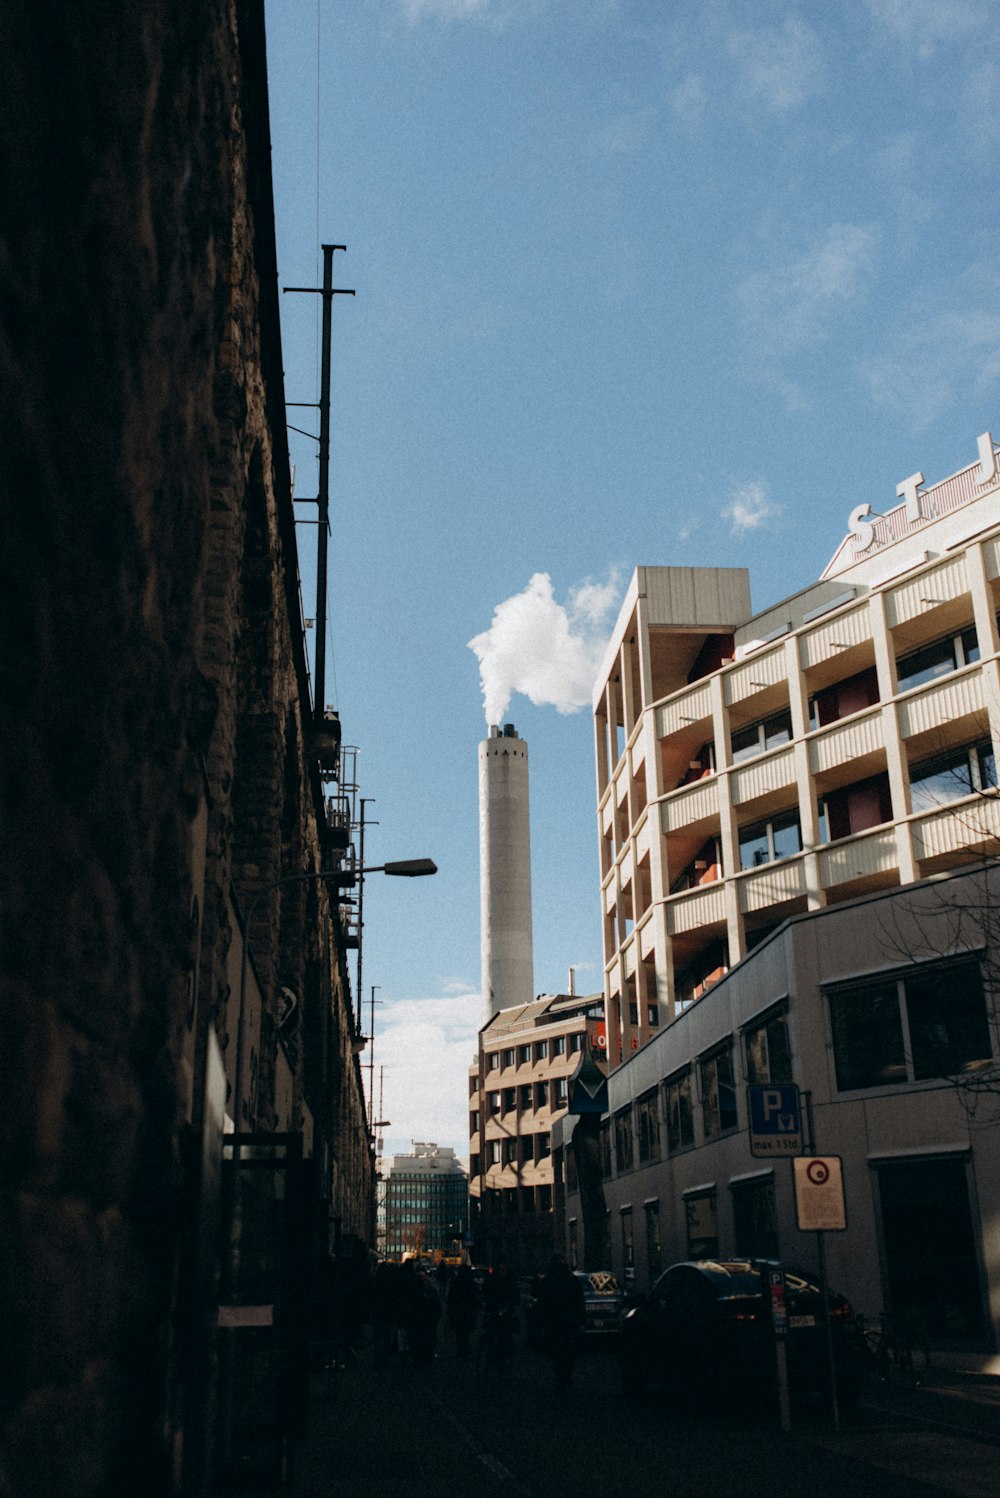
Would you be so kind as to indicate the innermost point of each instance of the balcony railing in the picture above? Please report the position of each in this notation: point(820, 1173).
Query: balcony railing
point(841, 743)
point(772, 885)
point(945, 701)
point(861, 857)
point(972, 824)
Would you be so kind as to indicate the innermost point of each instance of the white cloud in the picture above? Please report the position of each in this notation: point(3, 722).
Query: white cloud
point(927, 24)
point(943, 355)
point(792, 306)
point(781, 65)
point(548, 651)
point(750, 507)
point(425, 1047)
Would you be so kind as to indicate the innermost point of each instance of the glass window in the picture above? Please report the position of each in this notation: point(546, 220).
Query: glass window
point(508, 1058)
point(654, 1247)
point(623, 1139)
point(680, 1114)
point(718, 1092)
point(541, 1050)
point(755, 1223)
point(926, 664)
point(559, 1045)
point(940, 780)
point(653, 1015)
point(867, 1036)
point(647, 1120)
point(576, 1043)
point(768, 1051)
point(702, 1225)
point(747, 742)
point(949, 1026)
point(523, 1054)
point(525, 1095)
point(763, 842)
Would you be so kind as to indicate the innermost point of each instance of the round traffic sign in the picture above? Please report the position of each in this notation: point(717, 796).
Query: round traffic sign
point(817, 1172)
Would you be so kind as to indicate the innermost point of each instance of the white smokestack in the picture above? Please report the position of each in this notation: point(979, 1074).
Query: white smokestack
point(504, 872)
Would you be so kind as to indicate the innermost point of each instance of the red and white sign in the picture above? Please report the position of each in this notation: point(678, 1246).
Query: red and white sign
point(819, 1194)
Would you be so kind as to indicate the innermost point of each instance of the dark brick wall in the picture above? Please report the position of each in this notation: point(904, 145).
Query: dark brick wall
point(149, 653)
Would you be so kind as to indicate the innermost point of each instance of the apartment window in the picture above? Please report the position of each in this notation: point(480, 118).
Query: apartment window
point(494, 1060)
point(541, 1050)
point(768, 1053)
point(764, 842)
point(509, 1152)
point(759, 737)
point(509, 1099)
point(493, 1102)
point(854, 808)
point(508, 1057)
point(493, 1151)
point(559, 1045)
point(541, 1094)
point(940, 658)
point(653, 1015)
point(474, 1121)
point(623, 1140)
point(560, 1092)
point(523, 1055)
point(542, 1145)
point(527, 1148)
point(947, 777)
point(680, 1113)
point(647, 1126)
point(926, 1023)
point(525, 1093)
point(841, 699)
point(628, 1248)
point(702, 1222)
point(576, 1043)
point(654, 1247)
point(633, 1015)
point(718, 1091)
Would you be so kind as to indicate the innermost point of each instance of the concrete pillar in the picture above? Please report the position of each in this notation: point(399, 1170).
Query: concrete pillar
point(504, 872)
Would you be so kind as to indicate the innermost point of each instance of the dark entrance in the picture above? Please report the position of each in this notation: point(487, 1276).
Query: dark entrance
point(929, 1242)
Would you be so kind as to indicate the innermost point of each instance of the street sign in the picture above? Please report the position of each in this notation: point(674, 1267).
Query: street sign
point(775, 1120)
point(819, 1194)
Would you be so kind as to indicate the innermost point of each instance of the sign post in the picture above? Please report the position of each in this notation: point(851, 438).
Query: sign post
point(820, 1208)
point(779, 1323)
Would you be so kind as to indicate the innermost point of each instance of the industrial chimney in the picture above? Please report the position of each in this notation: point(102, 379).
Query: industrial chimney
point(504, 872)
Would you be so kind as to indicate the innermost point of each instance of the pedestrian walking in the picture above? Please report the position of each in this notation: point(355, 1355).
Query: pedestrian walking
point(563, 1314)
point(463, 1306)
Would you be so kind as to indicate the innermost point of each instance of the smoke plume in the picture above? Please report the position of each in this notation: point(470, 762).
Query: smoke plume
point(548, 651)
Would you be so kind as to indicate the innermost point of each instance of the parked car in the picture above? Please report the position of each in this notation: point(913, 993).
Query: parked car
point(603, 1303)
point(704, 1334)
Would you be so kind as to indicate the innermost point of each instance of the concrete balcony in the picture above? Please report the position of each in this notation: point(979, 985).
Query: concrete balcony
point(765, 669)
point(831, 640)
point(677, 713)
point(859, 739)
point(696, 908)
point(943, 702)
point(868, 856)
point(936, 586)
point(775, 884)
point(694, 803)
point(972, 824)
point(763, 777)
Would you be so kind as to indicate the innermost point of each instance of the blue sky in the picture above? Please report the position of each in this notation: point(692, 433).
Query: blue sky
point(637, 282)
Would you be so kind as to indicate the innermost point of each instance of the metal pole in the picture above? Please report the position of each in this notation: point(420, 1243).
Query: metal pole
point(371, 1065)
point(828, 1333)
point(323, 492)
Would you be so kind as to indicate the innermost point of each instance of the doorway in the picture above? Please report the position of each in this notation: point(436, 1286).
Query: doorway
point(930, 1248)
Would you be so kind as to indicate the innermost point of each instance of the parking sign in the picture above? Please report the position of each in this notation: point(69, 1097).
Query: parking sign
point(775, 1120)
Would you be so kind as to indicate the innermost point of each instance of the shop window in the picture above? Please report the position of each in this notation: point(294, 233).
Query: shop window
point(948, 777)
point(680, 1112)
point(702, 1223)
point(924, 1024)
point(938, 659)
point(718, 1091)
point(768, 1051)
point(764, 842)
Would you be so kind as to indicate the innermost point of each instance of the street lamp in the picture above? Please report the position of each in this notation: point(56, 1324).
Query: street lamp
point(407, 868)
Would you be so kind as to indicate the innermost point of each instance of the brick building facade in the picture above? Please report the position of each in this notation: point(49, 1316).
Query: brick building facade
point(161, 762)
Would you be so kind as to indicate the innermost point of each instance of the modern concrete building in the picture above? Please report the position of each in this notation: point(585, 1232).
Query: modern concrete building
point(518, 1088)
point(797, 813)
point(426, 1203)
point(504, 872)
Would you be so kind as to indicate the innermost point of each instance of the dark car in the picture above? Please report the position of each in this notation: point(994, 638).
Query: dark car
point(603, 1302)
point(705, 1335)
